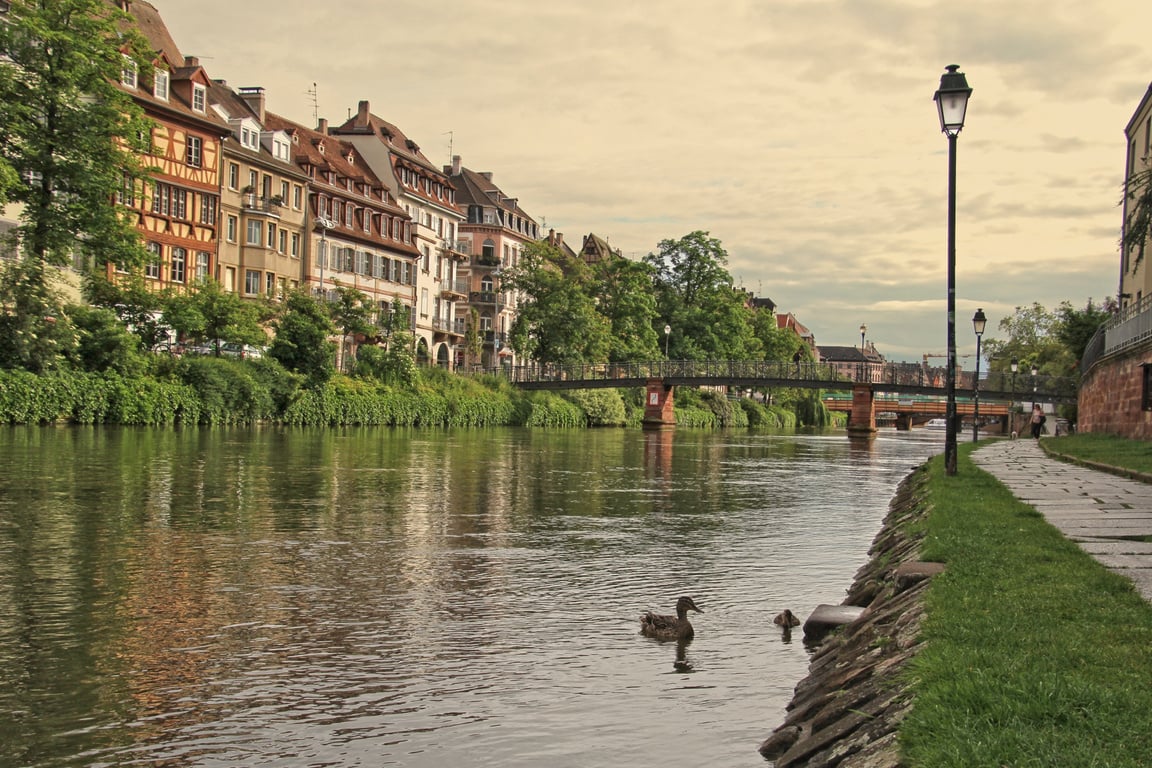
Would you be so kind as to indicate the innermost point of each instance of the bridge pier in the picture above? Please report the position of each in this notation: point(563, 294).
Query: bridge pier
point(658, 406)
point(862, 418)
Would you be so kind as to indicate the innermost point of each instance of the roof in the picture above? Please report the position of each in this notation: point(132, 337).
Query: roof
point(842, 355)
point(364, 122)
point(476, 188)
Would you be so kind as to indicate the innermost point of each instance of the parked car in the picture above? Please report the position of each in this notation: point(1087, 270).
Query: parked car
point(227, 349)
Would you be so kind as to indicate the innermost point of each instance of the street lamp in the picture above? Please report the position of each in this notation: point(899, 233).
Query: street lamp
point(951, 103)
point(1035, 371)
point(1012, 405)
point(863, 357)
point(978, 323)
point(863, 330)
point(667, 335)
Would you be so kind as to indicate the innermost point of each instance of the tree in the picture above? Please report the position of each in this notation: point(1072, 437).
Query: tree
point(623, 293)
point(696, 297)
point(104, 344)
point(210, 313)
point(301, 343)
point(1052, 342)
point(1076, 327)
point(35, 333)
point(353, 314)
point(1138, 226)
point(65, 126)
point(473, 339)
point(137, 307)
point(556, 318)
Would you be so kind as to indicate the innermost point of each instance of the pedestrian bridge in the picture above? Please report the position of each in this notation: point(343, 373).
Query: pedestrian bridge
point(894, 382)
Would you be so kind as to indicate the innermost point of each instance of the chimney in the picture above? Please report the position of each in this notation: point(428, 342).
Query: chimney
point(486, 174)
point(191, 61)
point(323, 126)
point(254, 98)
point(362, 113)
point(455, 165)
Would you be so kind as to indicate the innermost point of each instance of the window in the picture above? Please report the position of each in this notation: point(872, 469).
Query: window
point(251, 282)
point(198, 97)
point(179, 265)
point(233, 176)
point(202, 265)
point(255, 232)
point(126, 195)
point(128, 72)
point(208, 209)
point(283, 241)
point(193, 151)
point(424, 302)
point(489, 253)
point(297, 196)
point(427, 259)
point(253, 180)
point(231, 229)
point(349, 215)
point(161, 198)
point(295, 245)
point(271, 241)
point(281, 150)
point(152, 267)
point(179, 203)
point(270, 283)
point(284, 192)
point(160, 85)
point(1146, 388)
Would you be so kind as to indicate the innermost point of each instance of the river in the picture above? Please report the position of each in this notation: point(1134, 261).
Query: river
point(370, 597)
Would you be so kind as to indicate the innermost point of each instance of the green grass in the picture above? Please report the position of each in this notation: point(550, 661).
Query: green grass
point(1114, 451)
point(1034, 654)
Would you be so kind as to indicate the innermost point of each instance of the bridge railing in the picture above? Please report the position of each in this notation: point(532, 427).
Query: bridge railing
point(897, 376)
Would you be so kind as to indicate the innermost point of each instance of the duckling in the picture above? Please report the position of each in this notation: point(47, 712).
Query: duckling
point(786, 619)
point(663, 627)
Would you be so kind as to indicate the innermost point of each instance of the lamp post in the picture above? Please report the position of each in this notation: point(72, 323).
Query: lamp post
point(667, 335)
point(951, 104)
point(978, 323)
point(864, 358)
point(325, 224)
point(1012, 405)
point(1035, 371)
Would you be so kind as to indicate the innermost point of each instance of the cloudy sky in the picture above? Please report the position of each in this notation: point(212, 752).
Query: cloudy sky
point(801, 133)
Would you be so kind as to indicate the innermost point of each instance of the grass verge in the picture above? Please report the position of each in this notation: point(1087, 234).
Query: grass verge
point(1134, 455)
point(1034, 654)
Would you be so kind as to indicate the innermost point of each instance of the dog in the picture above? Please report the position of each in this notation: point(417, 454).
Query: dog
point(1015, 434)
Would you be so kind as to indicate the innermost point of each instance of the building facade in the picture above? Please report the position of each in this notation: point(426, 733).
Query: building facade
point(429, 198)
point(1135, 271)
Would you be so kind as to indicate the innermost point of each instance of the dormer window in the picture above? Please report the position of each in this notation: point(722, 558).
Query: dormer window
point(249, 139)
point(128, 73)
point(199, 97)
point(281, 149)
point(160, 85)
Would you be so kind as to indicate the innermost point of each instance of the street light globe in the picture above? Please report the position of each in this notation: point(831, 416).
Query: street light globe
point(667, 330)
point(979, 321)
point(952, 100)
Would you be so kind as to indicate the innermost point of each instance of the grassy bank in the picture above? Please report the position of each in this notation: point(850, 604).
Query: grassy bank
point(1109, 450)
point(1034, 654)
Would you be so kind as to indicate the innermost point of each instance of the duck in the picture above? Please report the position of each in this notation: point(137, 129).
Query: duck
point(786, 619)
point(663, 627)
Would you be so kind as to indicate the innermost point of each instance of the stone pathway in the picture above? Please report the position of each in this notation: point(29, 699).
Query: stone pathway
point(1099, 511)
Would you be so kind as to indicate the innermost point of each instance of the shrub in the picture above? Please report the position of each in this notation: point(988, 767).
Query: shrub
point(602, 407)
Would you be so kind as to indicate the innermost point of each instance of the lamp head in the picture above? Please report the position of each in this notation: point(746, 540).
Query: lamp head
point(1015, 365)
point(979, 321)
point(952, 100)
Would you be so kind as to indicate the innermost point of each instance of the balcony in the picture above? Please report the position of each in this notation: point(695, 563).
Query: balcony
point(482, 297)
point(462, 247)
point(485, 261)
point(455, 327)
point(257, 204)
point(454, 291)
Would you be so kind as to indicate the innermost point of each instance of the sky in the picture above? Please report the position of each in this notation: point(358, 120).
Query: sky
point(800, 133)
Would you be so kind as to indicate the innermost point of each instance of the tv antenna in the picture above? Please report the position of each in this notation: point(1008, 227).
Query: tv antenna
point(451, 138)
point(315, 105)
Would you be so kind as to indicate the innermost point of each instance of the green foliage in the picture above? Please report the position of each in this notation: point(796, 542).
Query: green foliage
point(602, 407)
point(228, 390)
point(64, 123)
point(622, 290)
point(352, 313)
point(1109, 450)
point(301, 343)
point(1053, 342)
point(393, 365)
point(811, 411)
point(547, 409)
point(35, 333)
point(1137, 202)
point(135, 304)
point(209, 313)
point(696, 297)
point(94, 398)
point(104, 344)
point(761, 417)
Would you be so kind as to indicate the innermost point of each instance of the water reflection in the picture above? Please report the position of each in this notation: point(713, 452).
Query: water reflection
point(373, 597)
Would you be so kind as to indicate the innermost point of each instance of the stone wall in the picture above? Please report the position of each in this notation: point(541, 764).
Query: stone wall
point(1110, 396)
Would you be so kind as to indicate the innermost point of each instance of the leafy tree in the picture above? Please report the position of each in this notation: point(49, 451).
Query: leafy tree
point(1053, 342)
point(624, 295)
point(65, 126)
point(208, 312)
point(1076, 327)
point(301, 343)
point(353, 313)
point(696, 297)
point(1138, 192)
point(473, 339)
point(393, 363)
point(35, 333)
point(104, 344)
point(778, 344)
point(556, 320)
point(138, 308)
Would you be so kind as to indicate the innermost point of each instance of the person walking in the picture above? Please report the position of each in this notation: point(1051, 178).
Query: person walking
point(1038, 419)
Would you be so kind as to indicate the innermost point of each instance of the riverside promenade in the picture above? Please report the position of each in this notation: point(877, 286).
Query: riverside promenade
point(1102, 512)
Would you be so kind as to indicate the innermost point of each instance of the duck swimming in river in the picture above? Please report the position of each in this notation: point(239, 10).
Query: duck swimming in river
point(786, 619)
point(663, 627)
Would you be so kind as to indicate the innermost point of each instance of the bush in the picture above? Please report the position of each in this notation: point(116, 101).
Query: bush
point(602, 407)
point(228, 391)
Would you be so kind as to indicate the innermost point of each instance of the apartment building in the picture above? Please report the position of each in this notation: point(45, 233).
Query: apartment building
point(263, 199)
point(494, 233)
point(1135, 271)
point(429, 198)
point(178, 211)
point(360, 237)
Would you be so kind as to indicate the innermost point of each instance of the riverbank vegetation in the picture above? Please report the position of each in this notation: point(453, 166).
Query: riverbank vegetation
point(1105, 450)
point(1034, 653)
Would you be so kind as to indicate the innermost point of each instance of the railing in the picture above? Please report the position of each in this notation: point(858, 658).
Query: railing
point(459, 286)
point(482, 297)
point(269, 205)
point(456, 326)
point(891, 377)
point(1129, 327)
